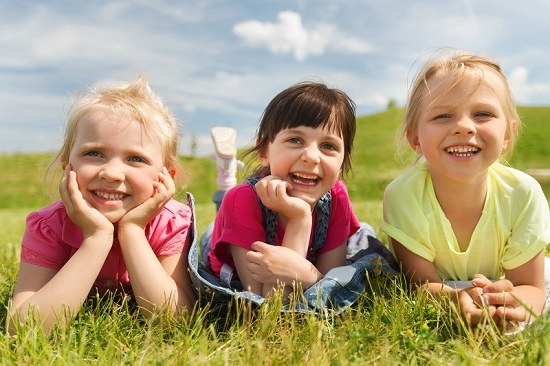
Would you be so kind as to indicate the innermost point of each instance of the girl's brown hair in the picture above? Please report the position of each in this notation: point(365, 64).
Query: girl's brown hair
point(307, 104)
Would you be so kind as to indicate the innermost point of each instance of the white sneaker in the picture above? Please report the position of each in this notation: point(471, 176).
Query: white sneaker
point(224, 139)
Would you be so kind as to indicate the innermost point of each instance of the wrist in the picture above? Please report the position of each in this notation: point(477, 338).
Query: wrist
point(98, 239)
point(129, 230)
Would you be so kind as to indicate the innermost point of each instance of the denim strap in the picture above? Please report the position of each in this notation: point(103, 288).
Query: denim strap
point(323, 210)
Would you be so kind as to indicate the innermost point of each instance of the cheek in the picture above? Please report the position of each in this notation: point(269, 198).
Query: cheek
point(83, 176)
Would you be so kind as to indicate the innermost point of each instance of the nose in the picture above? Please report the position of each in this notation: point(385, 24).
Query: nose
point(464, 126)
point(311, 154)
point(112, 171)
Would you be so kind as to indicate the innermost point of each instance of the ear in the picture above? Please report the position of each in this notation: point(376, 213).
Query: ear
point(414, 142)
point(264, 158)
point(509, 132)
point(172, 172)
point(263, 155)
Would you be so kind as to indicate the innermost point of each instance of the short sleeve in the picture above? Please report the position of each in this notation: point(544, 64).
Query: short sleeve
point(408, 214)
point(42, 242)
point(167, 232)
point(530, 222)
point(343, 221)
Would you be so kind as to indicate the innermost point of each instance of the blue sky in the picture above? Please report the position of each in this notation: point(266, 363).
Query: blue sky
point(220, 62)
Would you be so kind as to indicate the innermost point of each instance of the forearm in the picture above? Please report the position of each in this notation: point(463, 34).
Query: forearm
point(531, 298)
point(60, 298)
point(152, 286)
point(297, 234)
point(304, 276)
point(440, 290)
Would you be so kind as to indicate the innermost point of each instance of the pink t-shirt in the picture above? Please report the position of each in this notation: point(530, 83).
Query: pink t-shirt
point(239, 222)
point(51, 238)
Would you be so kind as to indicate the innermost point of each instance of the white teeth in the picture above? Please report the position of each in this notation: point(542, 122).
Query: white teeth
point(462, 151)
point(309, 179)
point(110, 196)
point(305, 176)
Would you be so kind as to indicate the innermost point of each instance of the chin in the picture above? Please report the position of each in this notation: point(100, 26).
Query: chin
point(113, 218)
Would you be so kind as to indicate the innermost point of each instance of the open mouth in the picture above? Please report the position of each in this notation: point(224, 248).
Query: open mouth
point(110, 196)
point(462, 151)
point(306, 179)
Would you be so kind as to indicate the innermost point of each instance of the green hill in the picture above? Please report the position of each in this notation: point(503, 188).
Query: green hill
point(375, 162)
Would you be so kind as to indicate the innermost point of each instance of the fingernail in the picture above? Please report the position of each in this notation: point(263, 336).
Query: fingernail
point(486, 299)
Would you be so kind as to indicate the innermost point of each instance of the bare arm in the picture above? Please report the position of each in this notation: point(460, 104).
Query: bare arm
point(270, 264)
point(56, 296)
point(520, 295)
point(272, 191)
point(423, 273)
point(156, 282)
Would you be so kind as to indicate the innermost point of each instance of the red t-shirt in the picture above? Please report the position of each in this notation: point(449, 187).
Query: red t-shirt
point(51, 238)
point(239, 222)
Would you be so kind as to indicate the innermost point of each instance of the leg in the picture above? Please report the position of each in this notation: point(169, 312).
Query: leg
point(224, 139)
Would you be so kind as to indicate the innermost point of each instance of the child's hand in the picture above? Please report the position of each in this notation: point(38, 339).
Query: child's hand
point(473, 306)
point(273, 190)
point(509, 311)
point(141, 215)
point(271, 264)
point(87, 218)
point(499, 296)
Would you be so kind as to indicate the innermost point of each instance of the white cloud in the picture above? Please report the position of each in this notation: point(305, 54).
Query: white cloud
point(219, 63)
point(520, 86)
point(290, 35)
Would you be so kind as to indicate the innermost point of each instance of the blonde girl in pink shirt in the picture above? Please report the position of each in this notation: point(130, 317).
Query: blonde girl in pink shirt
point(116, 219)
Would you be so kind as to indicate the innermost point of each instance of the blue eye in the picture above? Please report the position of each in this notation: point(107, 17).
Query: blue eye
point(484, 114)
point(92, 153)
point(328, 146)
point(137, 159)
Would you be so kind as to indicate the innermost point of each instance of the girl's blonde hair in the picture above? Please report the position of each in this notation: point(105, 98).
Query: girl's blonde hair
point(133, 100)
point(459, 65)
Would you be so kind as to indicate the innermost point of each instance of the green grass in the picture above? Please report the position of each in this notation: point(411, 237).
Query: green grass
point(389, 325)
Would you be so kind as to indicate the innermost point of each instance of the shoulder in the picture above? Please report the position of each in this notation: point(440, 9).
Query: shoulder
point(54, 212)
point(414, 178)
point(51, 221)
point(174, 213)
point(341, 204)
point(241, 194)
point(339, 194)
point(51, 226)
point(339, 188)
point(513, 182)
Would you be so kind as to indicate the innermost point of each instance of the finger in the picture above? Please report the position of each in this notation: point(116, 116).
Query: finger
point(480, 281)
point(476, 296)
point(259, 246)
point(506, 316)
point(64, 181)
point(500, 299)
point(253, 268)
point(499, 286)
point(73, 194)
point(252, 256)
point(282, 189)
point(166, 178)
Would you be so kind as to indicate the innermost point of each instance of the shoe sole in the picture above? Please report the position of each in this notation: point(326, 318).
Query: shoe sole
point(224, 139)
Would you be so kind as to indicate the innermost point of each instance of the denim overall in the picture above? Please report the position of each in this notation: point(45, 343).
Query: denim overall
point(336, 291)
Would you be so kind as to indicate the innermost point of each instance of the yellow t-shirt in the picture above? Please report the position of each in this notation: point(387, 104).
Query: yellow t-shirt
point(514, 225)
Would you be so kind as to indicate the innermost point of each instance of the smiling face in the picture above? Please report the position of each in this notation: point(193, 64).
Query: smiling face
point(308, 158)
point(461, 131)
point(115, 162)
